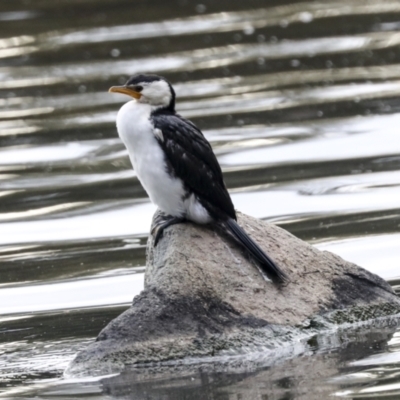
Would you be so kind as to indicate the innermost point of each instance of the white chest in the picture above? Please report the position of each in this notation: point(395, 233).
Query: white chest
point(148, 160)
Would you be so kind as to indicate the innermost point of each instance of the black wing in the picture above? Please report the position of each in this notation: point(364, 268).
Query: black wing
point(192, 159)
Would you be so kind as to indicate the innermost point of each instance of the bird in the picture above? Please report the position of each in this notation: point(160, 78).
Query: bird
point(176, 165)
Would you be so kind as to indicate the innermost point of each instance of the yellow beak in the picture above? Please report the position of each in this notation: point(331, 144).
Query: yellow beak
point(125, 90)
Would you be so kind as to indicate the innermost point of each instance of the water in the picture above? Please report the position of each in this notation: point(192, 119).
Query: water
point(300, 101)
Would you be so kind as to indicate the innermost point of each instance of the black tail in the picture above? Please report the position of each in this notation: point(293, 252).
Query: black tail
point(255, 251)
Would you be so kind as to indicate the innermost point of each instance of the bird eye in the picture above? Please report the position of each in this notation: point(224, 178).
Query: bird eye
point(138, 88)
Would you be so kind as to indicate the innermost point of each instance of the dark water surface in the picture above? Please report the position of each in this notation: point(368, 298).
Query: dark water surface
point(300, 101)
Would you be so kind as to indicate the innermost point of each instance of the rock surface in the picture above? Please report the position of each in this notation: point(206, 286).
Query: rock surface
point(259, 377)
point(204, 297)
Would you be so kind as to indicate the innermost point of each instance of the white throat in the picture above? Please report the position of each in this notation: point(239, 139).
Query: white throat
point(156, 93)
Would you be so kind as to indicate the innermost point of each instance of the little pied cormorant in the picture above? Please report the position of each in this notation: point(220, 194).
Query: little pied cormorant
point(176, 165)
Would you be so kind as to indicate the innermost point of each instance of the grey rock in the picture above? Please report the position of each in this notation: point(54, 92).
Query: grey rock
point(204, 297)
point(306, 374)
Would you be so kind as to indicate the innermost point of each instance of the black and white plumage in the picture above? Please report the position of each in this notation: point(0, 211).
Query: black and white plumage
point(176, 165)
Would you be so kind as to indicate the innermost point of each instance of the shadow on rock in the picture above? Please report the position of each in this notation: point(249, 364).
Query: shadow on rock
point(308, 375)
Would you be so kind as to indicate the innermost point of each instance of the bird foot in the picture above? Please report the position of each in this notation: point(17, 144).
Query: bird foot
point(162, 222)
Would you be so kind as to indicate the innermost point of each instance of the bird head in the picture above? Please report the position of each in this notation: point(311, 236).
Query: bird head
point(149, 89)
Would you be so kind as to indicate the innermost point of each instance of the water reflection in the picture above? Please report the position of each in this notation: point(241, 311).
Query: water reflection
point(255, 376)
point(205, 58)
point(90, 292)
point(330, 147)
point(379, 254)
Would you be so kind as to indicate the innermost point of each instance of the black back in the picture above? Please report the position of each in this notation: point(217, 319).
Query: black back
point(191, 158)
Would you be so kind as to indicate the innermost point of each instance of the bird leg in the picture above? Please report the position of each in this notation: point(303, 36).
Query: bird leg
point(161, 222)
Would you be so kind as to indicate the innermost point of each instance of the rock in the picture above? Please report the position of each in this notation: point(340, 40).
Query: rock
point(204, 297)
point(313, 374)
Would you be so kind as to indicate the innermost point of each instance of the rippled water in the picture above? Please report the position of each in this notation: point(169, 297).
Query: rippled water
point(300, 101)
